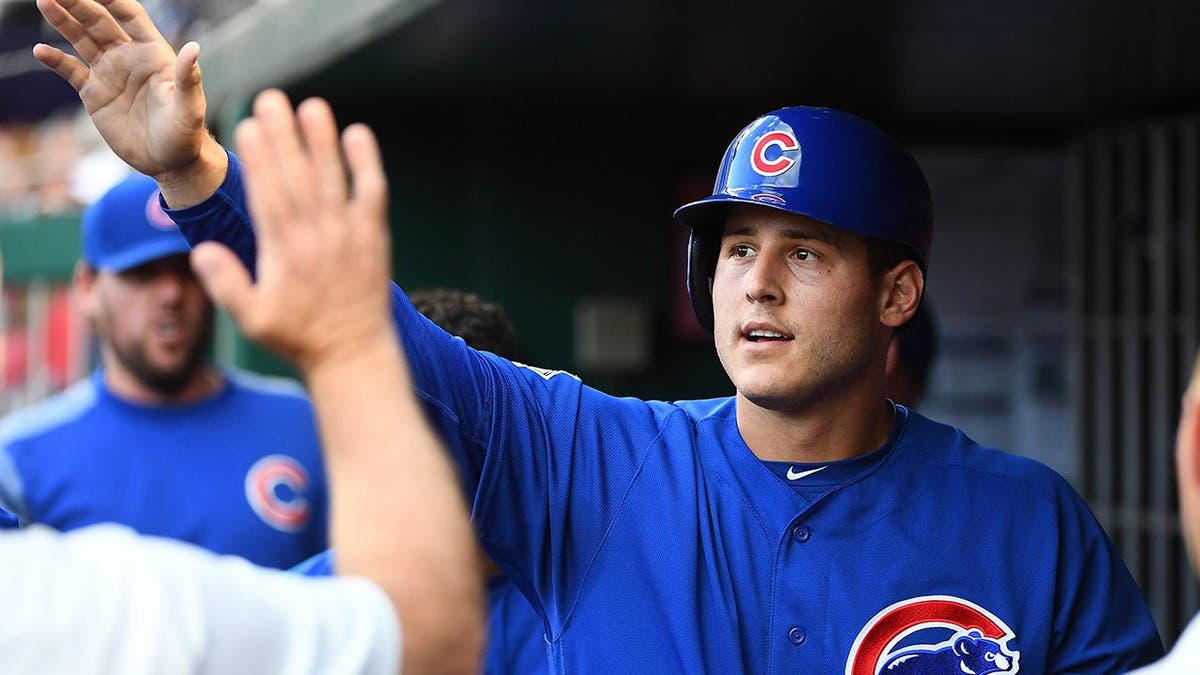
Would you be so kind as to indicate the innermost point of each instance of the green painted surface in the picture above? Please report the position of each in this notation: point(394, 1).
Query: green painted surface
point(39, 248)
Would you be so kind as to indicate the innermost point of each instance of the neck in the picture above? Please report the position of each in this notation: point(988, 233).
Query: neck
point(126, 386)
point(827, 431)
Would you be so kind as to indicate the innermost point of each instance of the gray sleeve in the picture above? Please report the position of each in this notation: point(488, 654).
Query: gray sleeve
point(105, 600)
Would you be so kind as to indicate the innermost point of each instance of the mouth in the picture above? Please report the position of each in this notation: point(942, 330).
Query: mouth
point(761, 334)
point(169, 330)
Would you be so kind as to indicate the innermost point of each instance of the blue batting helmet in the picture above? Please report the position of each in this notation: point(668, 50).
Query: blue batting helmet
point(821, 163)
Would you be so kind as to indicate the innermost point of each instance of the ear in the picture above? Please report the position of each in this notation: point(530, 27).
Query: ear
point(84, 283)
point(963, 645)
point(900, 293)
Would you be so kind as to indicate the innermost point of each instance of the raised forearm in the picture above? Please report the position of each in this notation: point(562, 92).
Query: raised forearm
point(383, 458)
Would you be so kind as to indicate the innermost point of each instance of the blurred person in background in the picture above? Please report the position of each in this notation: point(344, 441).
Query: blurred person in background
point(157, 438)
point(910, 359)
point(105, 600)
point(1184, 658)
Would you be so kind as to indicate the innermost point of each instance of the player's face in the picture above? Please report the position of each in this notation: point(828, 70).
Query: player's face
point(795, 308)
point(155, 320)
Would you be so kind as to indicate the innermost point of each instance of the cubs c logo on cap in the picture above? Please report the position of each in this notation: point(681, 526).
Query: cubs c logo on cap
point(155, 214)
point(275, 488)
point(775, 152)
point(932, 635)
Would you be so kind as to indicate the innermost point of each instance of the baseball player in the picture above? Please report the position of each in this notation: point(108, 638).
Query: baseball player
point(103, 600)
point(157, 438)
point(806, 524)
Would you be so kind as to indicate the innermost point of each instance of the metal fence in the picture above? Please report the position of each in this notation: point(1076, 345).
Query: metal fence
point(1135, 297)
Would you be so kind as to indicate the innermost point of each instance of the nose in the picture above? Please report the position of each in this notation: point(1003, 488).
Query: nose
point(762, 281)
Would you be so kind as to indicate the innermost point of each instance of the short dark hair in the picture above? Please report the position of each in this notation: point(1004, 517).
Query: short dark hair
point(884, 254)
point(481, 324)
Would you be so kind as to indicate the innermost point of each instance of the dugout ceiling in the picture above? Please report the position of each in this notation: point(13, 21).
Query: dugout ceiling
point(923, 64)
point(536, 149)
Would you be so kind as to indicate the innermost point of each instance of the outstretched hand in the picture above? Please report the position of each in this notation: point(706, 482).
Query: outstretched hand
point(145, 100)
point(323, 267)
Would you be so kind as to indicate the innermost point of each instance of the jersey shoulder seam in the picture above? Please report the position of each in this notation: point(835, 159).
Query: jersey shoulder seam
point(1044, 490)
point(645, 452)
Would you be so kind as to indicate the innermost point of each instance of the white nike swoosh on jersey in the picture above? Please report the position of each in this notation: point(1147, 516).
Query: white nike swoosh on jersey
point(797, 476)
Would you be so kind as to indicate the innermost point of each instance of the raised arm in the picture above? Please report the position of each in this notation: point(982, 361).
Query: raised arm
point(145, 100)
point(321, 300)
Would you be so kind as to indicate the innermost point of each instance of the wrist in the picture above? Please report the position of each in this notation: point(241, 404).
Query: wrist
point(190, 185)
point(358, 350)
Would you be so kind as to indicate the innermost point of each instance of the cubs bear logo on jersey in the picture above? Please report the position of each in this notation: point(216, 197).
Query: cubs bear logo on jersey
point(275, 488)
point(775, 152)
point(933, 635)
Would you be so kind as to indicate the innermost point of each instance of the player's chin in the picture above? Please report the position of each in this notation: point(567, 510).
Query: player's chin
point(770, 394)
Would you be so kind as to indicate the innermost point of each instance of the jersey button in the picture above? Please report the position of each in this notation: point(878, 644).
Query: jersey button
point(796, 635)
point(802, 533)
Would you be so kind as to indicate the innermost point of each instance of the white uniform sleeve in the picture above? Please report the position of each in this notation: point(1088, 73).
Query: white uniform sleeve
point(104, 600)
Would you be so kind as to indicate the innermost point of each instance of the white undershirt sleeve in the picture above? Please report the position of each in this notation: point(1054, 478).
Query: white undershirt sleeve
point(104, 600)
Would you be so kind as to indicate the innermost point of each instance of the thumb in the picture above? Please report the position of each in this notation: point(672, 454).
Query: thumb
point(189, 93)
point(224, 278)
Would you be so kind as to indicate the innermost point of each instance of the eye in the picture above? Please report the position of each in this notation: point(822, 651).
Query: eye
point(740, 251)
point(989, 656)
point(804, 255)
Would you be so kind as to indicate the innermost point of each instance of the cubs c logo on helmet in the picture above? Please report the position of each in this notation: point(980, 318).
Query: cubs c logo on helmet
point(773, 152)
point(933, 635)
point(275, 488)
point(155, 214)
point(768, 198)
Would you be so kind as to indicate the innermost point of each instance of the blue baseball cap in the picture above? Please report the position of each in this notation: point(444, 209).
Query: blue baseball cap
point(128, 227)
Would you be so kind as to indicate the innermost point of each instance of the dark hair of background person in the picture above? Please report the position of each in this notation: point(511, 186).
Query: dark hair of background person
point(481, 324)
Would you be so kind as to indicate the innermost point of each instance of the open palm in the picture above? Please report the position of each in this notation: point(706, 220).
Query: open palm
point(146, 101)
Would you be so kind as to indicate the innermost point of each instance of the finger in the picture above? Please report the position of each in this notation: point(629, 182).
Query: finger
point(269, 203)
point(366, 169)
point(69, 28)
point(189, 94)
point(99, 24)
point(224, 278)
point(273, 110)
point(321, 136)
point(1194, 387)
point(133, 19)
point(68, 67)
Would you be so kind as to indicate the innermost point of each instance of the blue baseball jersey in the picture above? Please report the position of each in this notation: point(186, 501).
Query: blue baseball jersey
point(515, 644)
point(237, 473)
point(649, 538)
